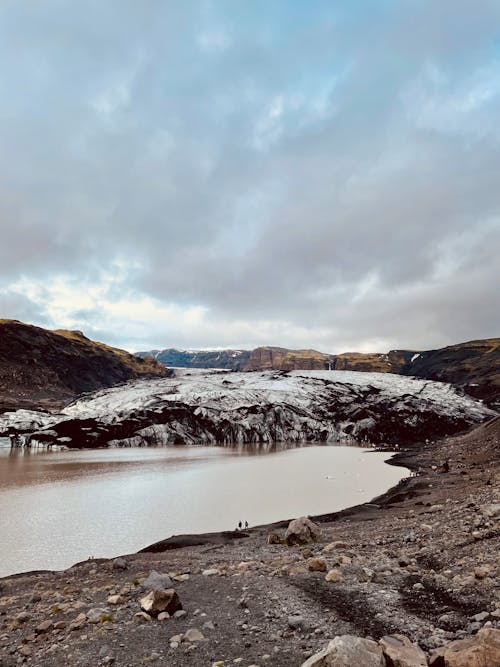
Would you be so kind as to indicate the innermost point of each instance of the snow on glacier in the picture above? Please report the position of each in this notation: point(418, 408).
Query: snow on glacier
point(311, 402)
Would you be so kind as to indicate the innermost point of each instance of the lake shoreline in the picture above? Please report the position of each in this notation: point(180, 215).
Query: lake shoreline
point(420, 560)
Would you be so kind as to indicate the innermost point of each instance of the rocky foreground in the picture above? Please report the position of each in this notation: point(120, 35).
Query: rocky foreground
point(408, 580)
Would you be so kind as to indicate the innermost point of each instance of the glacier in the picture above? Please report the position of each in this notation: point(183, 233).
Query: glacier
point(225, 407)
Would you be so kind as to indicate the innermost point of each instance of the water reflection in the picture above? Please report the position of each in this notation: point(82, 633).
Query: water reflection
point(59, 507)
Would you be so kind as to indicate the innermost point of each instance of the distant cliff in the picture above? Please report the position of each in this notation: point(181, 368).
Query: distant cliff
point(227, 359)
point(474, 366)
point(45, 369)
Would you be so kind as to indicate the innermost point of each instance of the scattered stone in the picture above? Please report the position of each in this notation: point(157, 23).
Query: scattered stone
point(157, 601)
point(302, 531)
point(142, 617)
point(210, 572)
point(316, 565)
point(23, 616)
point(400, 652)
point(491, 511)
point(296, 622)
point(180, 613)
point(44, 627)
point(348, 651)
point(334, 576)
point(78, 622)
point(97, 615)
point(208, 625)
point(482, 571)
point(163, 616)
point(335, 546)
point(274, 538)
point(119, 564)
point(115, 599)
point(193, 635)
point(157, 581)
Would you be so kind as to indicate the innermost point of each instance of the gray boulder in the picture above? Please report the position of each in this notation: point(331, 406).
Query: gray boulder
point(302, 531)
point(157, 581)
point(348, 651)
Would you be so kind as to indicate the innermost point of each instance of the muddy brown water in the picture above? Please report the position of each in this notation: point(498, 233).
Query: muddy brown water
point(60, 507)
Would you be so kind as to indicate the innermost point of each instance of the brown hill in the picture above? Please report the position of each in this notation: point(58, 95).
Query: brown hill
point(45, 369)
point(474, 365)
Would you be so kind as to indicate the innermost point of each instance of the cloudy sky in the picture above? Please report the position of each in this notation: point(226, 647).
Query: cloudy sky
point(233, 173)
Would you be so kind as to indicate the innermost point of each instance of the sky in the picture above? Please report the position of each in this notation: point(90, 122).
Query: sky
point(235, 173)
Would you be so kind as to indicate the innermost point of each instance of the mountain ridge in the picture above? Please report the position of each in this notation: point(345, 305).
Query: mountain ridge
point(473, 366)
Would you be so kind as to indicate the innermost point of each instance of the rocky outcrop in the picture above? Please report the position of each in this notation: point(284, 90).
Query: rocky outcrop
point(46, 369)
point(259, 409)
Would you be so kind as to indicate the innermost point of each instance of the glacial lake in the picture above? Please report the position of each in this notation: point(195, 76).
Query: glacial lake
point(61, 507)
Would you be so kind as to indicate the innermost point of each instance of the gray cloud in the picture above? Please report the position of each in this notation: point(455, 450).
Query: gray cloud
point(245, 174)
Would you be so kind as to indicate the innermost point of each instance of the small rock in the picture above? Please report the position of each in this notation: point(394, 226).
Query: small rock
point(316, 565)
point(479, 618)
point(482, 571)
point(142, 617)
point(208, 625)
point(157, 601)
point(115, 599)
point(491, 511)
point(119, 564)
point(78, 622)
point(335, 546)
point(163, 616)
point(44, 627)
point(193, 635)
point(210, 572)
point(296, 622)
point(96, 615)
point(23, 616)
point(334, 576)
point(180, 613)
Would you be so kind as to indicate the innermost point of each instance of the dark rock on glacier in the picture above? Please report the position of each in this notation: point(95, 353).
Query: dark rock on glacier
point(259, 409)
